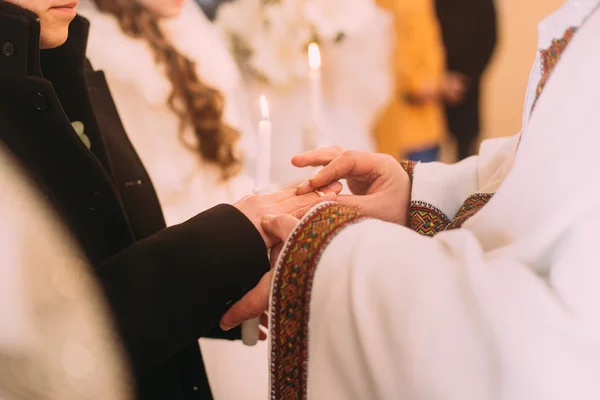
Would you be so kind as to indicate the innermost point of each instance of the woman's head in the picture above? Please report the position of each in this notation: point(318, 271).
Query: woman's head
point(196, 104)
point(55, 17)
point(163, 8)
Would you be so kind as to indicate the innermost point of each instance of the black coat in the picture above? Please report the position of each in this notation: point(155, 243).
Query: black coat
point(469, 31)
point(166, 287)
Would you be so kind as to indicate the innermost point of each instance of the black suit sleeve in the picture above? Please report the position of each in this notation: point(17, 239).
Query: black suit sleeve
point(170, 289)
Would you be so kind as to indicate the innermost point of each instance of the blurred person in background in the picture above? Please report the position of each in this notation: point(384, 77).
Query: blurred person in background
point(180, 96)
point(469, 32)
point(210, 7)
point(412, 127)
point(56, 338)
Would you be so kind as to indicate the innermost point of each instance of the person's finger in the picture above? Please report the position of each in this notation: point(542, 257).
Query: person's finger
point(280, 196)
point(338, 169)
point(290, 205)
point(279, 226)
point(317, 157)
point(252, 305)
point(335, 187)
point(302, 211)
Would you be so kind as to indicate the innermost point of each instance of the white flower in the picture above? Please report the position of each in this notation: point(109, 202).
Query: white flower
point(239, 17)
point(80, 130)
point(333, 17)
point(279, 47)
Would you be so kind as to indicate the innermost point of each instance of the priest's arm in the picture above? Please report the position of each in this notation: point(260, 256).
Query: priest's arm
point(365, 309)
point(439, 190)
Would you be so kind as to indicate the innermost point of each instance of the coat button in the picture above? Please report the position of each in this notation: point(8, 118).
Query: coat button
point(39, 102)
point(8, 49)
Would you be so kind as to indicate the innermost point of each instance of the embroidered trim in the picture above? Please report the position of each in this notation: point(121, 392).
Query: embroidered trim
point(291, 293)
point(409, 167)
point(426, 219)
point(550, 58)
point(470, 207)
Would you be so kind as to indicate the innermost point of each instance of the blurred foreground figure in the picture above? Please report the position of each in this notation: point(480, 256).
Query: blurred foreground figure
point(56, 341)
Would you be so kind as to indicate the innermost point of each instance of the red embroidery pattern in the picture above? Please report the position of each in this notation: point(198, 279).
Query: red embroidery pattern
point(409, 167)
point(291, 298)
point(550, 58)
point(426, 219)
point(470, 207)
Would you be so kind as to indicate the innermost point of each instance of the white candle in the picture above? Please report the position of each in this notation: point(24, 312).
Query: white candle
point(316, 92)
point(263, 158)
point(250, 329)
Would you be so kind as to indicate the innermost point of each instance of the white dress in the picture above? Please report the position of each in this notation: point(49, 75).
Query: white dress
point(506, 306)
point(185, 185)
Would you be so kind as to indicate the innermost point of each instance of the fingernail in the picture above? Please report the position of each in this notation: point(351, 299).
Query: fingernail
point(321, 194)
point(303, 186)
point(226, 328)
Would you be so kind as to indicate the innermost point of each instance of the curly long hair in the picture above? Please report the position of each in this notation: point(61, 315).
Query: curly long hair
point(194, 102)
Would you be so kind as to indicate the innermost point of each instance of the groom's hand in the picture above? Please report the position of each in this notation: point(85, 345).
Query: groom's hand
point(256, 302)
point(284, 202)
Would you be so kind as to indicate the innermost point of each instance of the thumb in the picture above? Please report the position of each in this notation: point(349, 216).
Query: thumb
point(251, 306)
point(279, 226)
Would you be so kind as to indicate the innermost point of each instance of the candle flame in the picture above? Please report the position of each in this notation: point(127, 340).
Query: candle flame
point(264, 107)
point(314, 56)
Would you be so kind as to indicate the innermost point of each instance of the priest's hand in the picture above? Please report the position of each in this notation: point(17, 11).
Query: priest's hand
point(380, 185)
point(256, 302)
point(284, 202)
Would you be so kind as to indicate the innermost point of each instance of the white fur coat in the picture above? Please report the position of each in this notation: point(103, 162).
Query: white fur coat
point(185, 184)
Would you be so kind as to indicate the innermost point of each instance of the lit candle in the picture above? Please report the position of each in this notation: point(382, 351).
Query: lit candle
point(263, 159)
point(316, 92)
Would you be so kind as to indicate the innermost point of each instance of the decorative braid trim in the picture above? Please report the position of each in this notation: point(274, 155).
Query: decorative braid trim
point(470, 207)
point(291, 294)
point(409, 167)
point(427, 219)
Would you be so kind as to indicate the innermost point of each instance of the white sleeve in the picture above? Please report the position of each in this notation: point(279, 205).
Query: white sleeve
point(396, 315)
point(443, 188)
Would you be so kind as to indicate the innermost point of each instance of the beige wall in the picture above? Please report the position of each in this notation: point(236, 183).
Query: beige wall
point(507, 77)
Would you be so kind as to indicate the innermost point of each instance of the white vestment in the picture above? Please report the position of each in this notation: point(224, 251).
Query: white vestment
point(56, 339)
point(505, 306)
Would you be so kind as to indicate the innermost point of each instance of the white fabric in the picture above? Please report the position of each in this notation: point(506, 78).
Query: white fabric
point(185, 186)
point(56, 340)
point(507, 307)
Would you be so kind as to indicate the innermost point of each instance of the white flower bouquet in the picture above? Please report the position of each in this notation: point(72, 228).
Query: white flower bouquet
point(270, 38)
